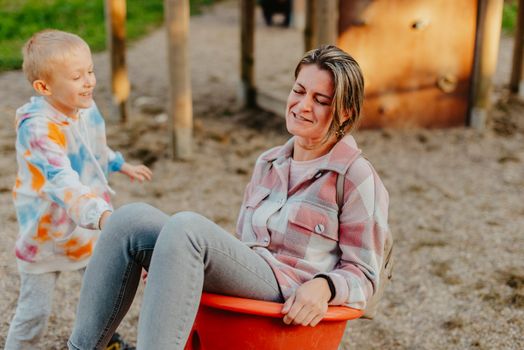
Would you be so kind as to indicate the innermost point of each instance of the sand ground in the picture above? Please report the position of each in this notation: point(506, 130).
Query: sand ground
point(457, 208)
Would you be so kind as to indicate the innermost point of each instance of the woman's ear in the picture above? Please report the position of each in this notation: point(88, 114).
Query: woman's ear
point(345, 116)
point(41, 87)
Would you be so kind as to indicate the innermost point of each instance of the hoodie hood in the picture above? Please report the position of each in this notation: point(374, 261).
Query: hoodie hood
point(39, 107)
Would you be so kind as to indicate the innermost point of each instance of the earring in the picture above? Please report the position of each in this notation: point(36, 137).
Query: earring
point(342, 129)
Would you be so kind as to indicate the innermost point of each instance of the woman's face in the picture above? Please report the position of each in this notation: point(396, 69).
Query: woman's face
point(308, 111)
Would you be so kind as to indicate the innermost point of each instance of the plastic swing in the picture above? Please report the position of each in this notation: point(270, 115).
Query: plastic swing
point(231, 323)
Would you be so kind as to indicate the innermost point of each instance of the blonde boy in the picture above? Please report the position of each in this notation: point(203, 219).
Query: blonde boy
point(61, 195)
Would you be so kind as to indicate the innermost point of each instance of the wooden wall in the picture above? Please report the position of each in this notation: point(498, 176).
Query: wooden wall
point(417, 58)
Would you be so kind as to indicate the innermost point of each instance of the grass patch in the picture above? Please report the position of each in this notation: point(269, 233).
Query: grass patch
point(509, 16)
point(19, 19)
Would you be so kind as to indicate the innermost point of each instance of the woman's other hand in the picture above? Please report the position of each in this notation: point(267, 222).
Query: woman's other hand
point(308, 304)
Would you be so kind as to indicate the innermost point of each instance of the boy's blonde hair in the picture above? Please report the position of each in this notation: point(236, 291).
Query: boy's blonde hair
point(47, 48)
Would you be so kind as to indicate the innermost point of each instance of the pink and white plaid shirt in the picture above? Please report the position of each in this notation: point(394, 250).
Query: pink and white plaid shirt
point(299, 230)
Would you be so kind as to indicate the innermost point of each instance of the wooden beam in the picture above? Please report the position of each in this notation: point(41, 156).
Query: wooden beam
point(517, 74)
point(180, 105)
point(116, 43)
point(487, 45)
point(247, 52)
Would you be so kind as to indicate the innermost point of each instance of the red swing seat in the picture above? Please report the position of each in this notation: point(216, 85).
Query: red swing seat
point(231, 323)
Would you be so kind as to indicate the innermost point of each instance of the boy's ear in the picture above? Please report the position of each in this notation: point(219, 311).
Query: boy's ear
point(41, 87)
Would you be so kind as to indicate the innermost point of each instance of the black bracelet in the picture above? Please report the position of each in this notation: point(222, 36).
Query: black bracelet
point(330, 284)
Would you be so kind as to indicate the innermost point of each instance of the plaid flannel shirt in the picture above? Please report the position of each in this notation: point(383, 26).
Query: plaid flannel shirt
point(300, 232)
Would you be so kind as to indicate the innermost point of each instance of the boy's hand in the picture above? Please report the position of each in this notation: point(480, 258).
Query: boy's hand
point(136, 172)
point(103, 218)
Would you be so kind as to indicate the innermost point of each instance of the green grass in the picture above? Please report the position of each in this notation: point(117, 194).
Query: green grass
point(509, 16)
point(19, 19)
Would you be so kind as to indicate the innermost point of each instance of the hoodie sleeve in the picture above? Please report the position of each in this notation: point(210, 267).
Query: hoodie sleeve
point(43, 146)
point(115, 160)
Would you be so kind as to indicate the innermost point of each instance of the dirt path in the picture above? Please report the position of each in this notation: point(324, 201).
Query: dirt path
point(456, 195)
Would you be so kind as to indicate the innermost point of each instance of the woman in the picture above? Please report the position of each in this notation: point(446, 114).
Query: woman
point(295, 244)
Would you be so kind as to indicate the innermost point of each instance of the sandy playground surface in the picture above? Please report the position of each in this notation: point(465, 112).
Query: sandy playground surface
point(457, 198)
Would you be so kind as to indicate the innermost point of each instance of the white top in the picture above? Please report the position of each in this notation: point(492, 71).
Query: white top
point(299, 169)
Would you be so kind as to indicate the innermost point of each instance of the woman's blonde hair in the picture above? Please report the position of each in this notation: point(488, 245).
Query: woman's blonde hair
point(348, 84)
point(47, 48)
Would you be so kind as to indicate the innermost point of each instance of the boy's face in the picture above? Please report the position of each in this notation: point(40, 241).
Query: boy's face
point(72, 82)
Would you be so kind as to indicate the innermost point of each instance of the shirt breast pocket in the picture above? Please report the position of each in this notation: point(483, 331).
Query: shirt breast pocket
point(311, 228)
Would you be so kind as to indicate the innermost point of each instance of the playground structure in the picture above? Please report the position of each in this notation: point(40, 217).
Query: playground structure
point(419, 59)
point(427, 63)
point(442, 55)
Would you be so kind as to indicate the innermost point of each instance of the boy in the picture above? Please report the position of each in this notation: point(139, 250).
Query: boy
point(61, 194)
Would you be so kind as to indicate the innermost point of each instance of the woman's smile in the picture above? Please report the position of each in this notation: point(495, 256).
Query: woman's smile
point(301, 118)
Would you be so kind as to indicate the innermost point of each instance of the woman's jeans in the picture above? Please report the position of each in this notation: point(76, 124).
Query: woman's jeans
point(184, 255)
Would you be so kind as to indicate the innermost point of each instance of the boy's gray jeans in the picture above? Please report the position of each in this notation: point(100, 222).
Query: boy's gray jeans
point(184, 255)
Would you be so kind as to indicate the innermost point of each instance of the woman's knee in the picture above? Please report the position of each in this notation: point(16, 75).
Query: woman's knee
point(136, 214)
point(134, 210)
point(134, 218)
point(183, 225)
point(184, 219)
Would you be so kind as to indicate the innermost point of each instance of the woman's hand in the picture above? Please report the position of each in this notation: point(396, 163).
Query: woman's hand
point(308, 304)
point(136, 172)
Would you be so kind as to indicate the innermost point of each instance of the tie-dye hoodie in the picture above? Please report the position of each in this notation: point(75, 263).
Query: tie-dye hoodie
point(61, 187)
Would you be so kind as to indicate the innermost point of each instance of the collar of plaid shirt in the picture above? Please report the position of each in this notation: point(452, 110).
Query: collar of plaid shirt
point(339, 159)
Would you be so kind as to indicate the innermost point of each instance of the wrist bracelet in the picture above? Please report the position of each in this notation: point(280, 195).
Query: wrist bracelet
point(330, 283)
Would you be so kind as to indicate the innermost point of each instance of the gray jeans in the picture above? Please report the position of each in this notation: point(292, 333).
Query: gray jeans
point(184, 255)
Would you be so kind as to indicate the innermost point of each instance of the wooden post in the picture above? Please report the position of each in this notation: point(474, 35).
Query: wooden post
point(298, 14)
point(247, 60)
point(487, 44)
point(116, 42)
point(310, 30)
point(321, 23)
point(517, 74)
point(180, 106)
point(327, 22)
